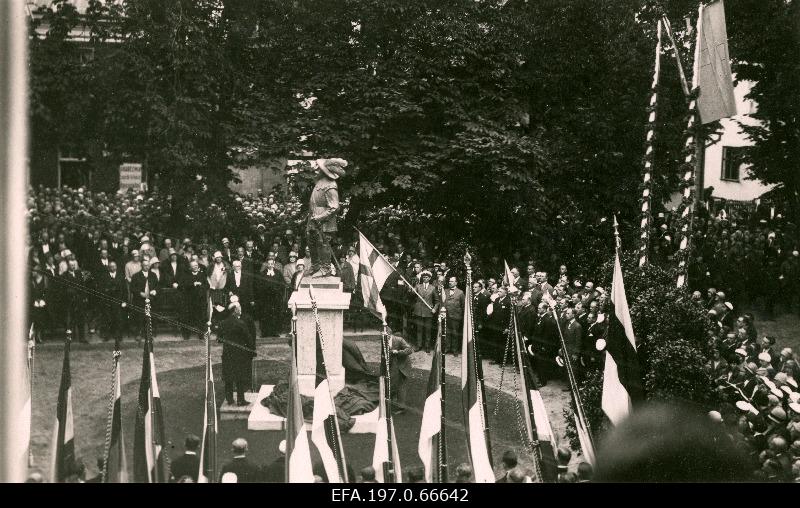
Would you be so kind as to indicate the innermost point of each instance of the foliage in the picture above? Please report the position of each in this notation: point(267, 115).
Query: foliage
point(671, 341)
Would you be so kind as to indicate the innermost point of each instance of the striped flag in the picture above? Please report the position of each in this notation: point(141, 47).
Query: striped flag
point(324, 427)
point(299, 468)
point(472, 399)
point(149, 463)
point(716, 99)
point(431, 431)
point(208, 448)
point(622, 378)
point(509, 279)
point(373, 273)
point(380, 455)
point(63, 462)
point(116, 467)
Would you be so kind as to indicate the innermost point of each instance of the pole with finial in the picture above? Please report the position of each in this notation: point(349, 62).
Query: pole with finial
point(386, 348)
point(617, 243)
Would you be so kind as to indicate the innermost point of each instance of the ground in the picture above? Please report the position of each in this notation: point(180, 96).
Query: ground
point(180, 373)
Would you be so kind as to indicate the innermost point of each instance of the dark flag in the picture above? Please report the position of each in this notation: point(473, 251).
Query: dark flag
point(622, 377)
point(431, 431)
point(324, 427)
point(149, 463)
point(63, 463)
point(116, 467)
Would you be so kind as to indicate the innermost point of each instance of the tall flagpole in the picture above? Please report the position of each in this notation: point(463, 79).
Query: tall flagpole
point(386, 344)
point(13, 192)
point(211, 472)
point(442, 444)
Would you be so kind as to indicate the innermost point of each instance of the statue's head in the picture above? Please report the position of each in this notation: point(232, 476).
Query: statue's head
point(332, 168)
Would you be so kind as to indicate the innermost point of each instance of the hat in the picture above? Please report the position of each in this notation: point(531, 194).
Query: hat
point(292, 254)
point(225, 240)
point(729, 305)
point(741, 351)
point(145, 239)
point(791, 382)
point(601, 290)
point(333, 168)
point(787, 351)
point(229, 477)
point(794, 397)
point(600, 344)
point(301, 263)
point(715, 416)
point(777, 415)
point(743, 405)
point(261, 227)
point(423, 273)
point(217, 254)
point(172, 251)
point(764, 357)
point(795, 408)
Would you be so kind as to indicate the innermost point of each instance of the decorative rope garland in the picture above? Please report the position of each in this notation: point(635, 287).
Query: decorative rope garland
point(647, 170)
point(687, 188)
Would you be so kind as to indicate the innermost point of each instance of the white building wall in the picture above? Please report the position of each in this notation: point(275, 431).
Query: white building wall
point(744, 189)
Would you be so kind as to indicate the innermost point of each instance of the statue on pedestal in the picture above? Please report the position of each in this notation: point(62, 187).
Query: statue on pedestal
point(323, 207)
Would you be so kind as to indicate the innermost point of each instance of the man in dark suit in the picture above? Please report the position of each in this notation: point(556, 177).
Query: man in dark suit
point(423, 315)
point(75, 300)
point(238, 350)
point(399, 370)
point(272, 305)
point(275, 471)
point(187, 464)
point(392, 295)
point(144, 284)
point(240, 283)
point(245, 471)
point(112, 284)
point(453, 302)
point(480, 301)
point(497, 324)
point(573, 338)
point(194, 286)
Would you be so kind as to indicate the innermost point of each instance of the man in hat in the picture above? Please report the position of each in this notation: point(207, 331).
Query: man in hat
point(323, 206)
point(238, 350)
point(453, 301)
point(144, 285)
point(112, 285)
point(423, 314)
point(289, 268)
point(273, 289)
point(195, 286)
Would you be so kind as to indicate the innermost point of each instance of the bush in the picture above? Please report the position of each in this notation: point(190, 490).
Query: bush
point(671, 340)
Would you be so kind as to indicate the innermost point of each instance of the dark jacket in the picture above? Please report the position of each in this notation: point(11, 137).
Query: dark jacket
point(244, 290)
point(246, 471)
point(185, 465)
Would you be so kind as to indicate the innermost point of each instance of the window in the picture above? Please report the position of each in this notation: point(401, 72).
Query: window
point(732, 162)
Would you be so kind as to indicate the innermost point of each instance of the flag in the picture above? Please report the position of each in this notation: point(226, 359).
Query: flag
point(208, 448)
point(298, 452)
point(324, 428)
point(431, 428)
point(586, 444)
point(716, 99)
point(116, 469)
point(380, 455)
point(510, 279)
point(373, 273)
point(148, 461)
point(63, 462)
point(622, 379)
point(472, 399)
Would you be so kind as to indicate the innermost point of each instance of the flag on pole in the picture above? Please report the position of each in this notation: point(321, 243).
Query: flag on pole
point(431, 427)
point(472, 399)
point(622, 378)
point(716, 99)
point(63, 462)
point(116, 467)
point(208, 448)
point(324, 428)
point(373, 273)
point(510, 279)
point(298, 452)
point(586, 444)
point(385, 427)
point(148, 461)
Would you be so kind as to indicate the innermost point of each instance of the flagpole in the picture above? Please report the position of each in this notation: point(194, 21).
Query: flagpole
point(110, 423)
point(442, 448)
point(13, 293)
point(287, 458)
point(572, 380)
point(211, 473)
point(388, 466)
point(478, 363)
point(396, 271)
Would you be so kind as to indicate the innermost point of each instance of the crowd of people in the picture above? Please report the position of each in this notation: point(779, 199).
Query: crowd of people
point(758, 386)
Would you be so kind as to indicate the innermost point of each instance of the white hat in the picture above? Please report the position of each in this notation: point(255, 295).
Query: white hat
point(745, 406)
point(715, 416)
point(729, 305)
point(229, 477)
point(764, 357)
point(741, 351)
point(795, 407)
point(600, 344)
point(225, 240)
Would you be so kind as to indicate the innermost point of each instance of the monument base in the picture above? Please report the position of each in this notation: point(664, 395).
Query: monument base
point(234, 412)
point(261, 418)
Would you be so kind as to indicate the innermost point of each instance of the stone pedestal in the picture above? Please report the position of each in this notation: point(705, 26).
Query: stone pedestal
point(332, 301)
